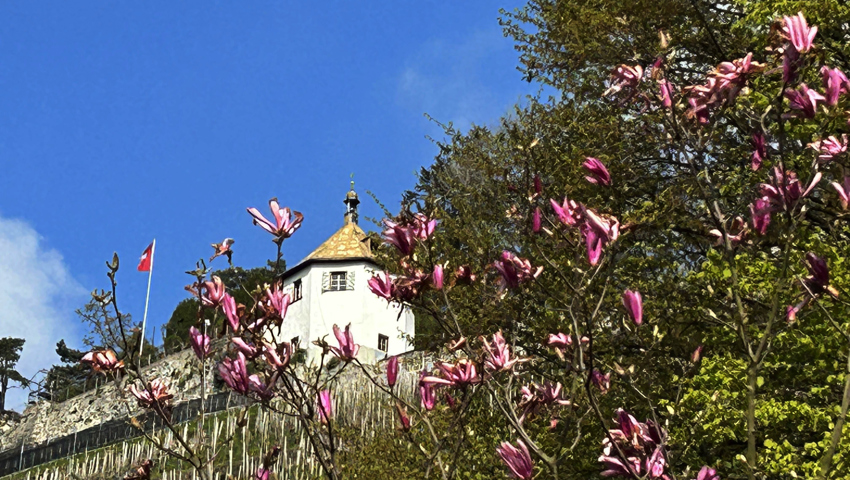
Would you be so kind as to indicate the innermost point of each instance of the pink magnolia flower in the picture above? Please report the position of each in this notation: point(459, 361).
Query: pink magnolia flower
point(560, 342)
point(459, 374)
point(602, 382)
point(598, 173)
point(456, 344)
point(286, 221)
point(706, 473)
point(213, 292)
point(625, 77)
point(231, 312)
point(790, 62)
point(427, 394)
point(437, 277)
point(565, 211)
point(843, 192)
point(235, 373)
point(265, 392)
point(797, 31)
point(614, 467)
point(518, 460)
point(403, 238)
point(103, 361)
point(760, 213)
point(382, 286)
point(759, 150)
point(347, 350)
point(262, 474)
point(598, 232)
point(278, 358)
point(736, 231)
point(156, 393)
point(403, 418)
point(785, 189)
point(325, 406)
point(392, 371)
point(535, 396)
point(498, 354)
point(223, 248)
point(515, 270)
point(200, 342)
point(423, 226)
point(804, 102)
point(695, 357)
point(250, 351)
point(666, 92)
point(830, 148)
point(732, 76)
point(464, 274)
point(656, 463)
point(634, 306)
point(277, 302)
point(835, 83)
point(818, 280)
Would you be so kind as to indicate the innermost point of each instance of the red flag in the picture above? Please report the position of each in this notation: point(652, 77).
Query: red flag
point(147, 259)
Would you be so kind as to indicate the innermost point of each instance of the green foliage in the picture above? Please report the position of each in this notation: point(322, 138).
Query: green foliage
point(10, 353)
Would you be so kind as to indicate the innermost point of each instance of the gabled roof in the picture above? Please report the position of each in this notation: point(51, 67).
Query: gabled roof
point(348, 243)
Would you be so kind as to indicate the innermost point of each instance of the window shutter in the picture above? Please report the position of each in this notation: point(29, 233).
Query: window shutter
point(349, 278)
point(326, 281)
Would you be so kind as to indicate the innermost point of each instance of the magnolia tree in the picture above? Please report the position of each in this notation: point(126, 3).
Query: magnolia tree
point(558, 381)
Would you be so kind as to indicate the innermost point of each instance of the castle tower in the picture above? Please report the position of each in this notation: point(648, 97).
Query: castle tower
point(329, 287)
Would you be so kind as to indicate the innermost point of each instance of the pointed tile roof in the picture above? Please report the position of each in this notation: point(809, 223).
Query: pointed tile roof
point(349, 242)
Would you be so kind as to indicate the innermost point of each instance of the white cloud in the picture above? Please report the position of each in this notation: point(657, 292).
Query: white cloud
point(454, 81)
point(37, 300)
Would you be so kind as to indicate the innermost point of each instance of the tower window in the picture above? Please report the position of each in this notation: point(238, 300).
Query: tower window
point(338, 282)
point(383, 342)
point(296, 290)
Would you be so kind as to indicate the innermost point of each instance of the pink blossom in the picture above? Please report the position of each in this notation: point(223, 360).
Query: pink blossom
point(560, 342)
point(518, 460)
point(666, 91)
point(228, 304)
point(695, 357)
point(830, 148)
point(459, 374)
point(347, 350)
point(286, 221)
point(392, 371)
point(464, 274)
point(262, 474)
point(818, 280)
point(278, 358)
point(403, 238)
point(598, 173)
point(835, 83)
point(656, 463)
point(156, 393)
point(437, 277)
point(515, 270)
point(797, 31)
point(535, 396)
point(732, 76)
point(707, 473)
point(222, 248)
point(382, 286)
point(614, 467)
point(603, 382)
point(598, 232)
point(626, 78)
point(277, 302)
point(250, 351)
point(804, 102)
point(324, 405)
point(498, 354)
point(403, 418)
point(759, 149)
point(785, 189)
point(843, 192)
point(265, 392)
point(427, 394)
point(200, 343)
point(235, 373)
point(634, 306)
point(565, 211)
point(102, 361)
point(760, 212)
point(423, 226)
point(214, 292)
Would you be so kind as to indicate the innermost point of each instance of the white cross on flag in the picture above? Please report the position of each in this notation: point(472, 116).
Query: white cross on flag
point(146, 260)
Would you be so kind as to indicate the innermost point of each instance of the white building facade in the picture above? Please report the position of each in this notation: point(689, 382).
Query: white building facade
point(330, 287)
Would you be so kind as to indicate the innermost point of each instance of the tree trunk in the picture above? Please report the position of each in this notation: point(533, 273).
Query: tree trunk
point(752, 458)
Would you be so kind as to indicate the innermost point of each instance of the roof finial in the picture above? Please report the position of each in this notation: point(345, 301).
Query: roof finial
point(351, 201)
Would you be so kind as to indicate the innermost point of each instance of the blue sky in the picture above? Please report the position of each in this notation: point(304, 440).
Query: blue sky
point(122, 122)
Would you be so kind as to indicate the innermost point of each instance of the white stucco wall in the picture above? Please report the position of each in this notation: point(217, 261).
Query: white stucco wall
point(316, 313)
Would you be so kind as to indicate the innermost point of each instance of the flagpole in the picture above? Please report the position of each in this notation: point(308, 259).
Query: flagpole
point(147, 300)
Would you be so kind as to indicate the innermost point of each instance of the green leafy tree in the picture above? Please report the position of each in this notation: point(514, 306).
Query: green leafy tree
point(10, 353)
